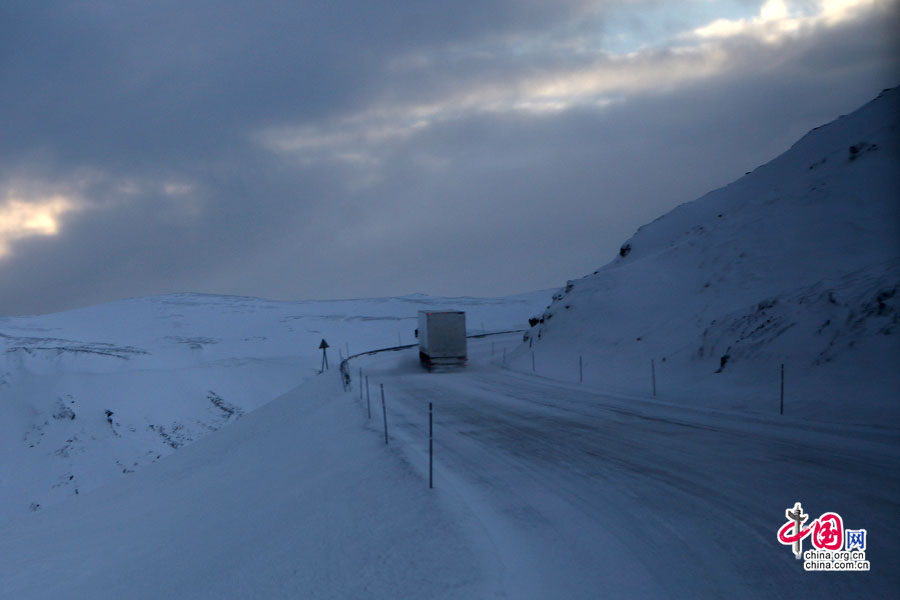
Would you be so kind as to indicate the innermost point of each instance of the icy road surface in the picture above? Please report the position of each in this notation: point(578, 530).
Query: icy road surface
point(583, 494)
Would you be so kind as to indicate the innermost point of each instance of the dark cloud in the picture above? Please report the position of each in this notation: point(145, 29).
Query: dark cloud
point(92, 79)
point(157, 119)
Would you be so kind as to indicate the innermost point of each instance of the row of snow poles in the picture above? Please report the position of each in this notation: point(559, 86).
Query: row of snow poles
point(384, 418)
point(652, 376)
point(580, 368)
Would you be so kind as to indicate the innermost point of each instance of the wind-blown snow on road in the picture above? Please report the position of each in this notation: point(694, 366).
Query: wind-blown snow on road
point(589, 494)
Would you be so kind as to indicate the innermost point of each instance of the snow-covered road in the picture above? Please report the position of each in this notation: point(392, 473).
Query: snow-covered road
point(580, 493)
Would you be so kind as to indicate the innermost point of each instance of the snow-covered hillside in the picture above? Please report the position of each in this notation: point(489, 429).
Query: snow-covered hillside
point(797, 262)
point(90, 395)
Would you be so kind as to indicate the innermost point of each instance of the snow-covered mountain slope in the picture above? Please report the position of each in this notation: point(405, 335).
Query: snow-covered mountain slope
point(90, 395)
point(796, 263)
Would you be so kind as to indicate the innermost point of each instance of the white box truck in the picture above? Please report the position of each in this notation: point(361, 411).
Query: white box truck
point(442, 338)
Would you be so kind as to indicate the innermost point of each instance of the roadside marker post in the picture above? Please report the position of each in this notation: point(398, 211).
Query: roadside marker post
point(430, 448)
point(384, 414)
point(781, 409)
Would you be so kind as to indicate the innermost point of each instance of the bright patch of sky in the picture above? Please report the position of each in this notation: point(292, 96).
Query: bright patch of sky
point(636, 26)
point(631, 27)
point(593, 61)
point(36, 216)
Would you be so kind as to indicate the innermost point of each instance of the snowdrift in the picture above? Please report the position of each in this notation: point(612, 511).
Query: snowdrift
point(293, 501)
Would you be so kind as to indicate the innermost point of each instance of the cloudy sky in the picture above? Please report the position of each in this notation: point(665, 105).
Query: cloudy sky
point(333, 149)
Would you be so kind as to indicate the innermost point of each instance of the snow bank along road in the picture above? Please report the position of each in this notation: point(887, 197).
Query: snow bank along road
point(584, 494)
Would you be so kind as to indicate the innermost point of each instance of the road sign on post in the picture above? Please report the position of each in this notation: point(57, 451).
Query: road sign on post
point(324, 348)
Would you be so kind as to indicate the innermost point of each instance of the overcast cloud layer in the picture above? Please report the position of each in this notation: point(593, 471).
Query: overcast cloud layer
point(356, 149)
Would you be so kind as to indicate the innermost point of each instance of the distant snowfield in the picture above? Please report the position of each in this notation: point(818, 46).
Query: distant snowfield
point(172, 369)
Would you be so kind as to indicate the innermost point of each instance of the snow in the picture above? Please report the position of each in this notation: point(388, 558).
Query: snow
point(542, 489)
point(173, 369)
point(796, 263)
point(586, 494)
point(292, 501)
point(546, 485)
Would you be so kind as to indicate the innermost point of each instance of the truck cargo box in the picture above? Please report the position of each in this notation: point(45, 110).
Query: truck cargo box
point(442, 338)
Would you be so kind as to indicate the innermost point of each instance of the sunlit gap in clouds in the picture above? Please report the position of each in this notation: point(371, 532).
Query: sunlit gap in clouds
point(778, 18)
point(21, 218)
point(530, 79)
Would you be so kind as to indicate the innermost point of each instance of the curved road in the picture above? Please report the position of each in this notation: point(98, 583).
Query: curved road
point(580, 494)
